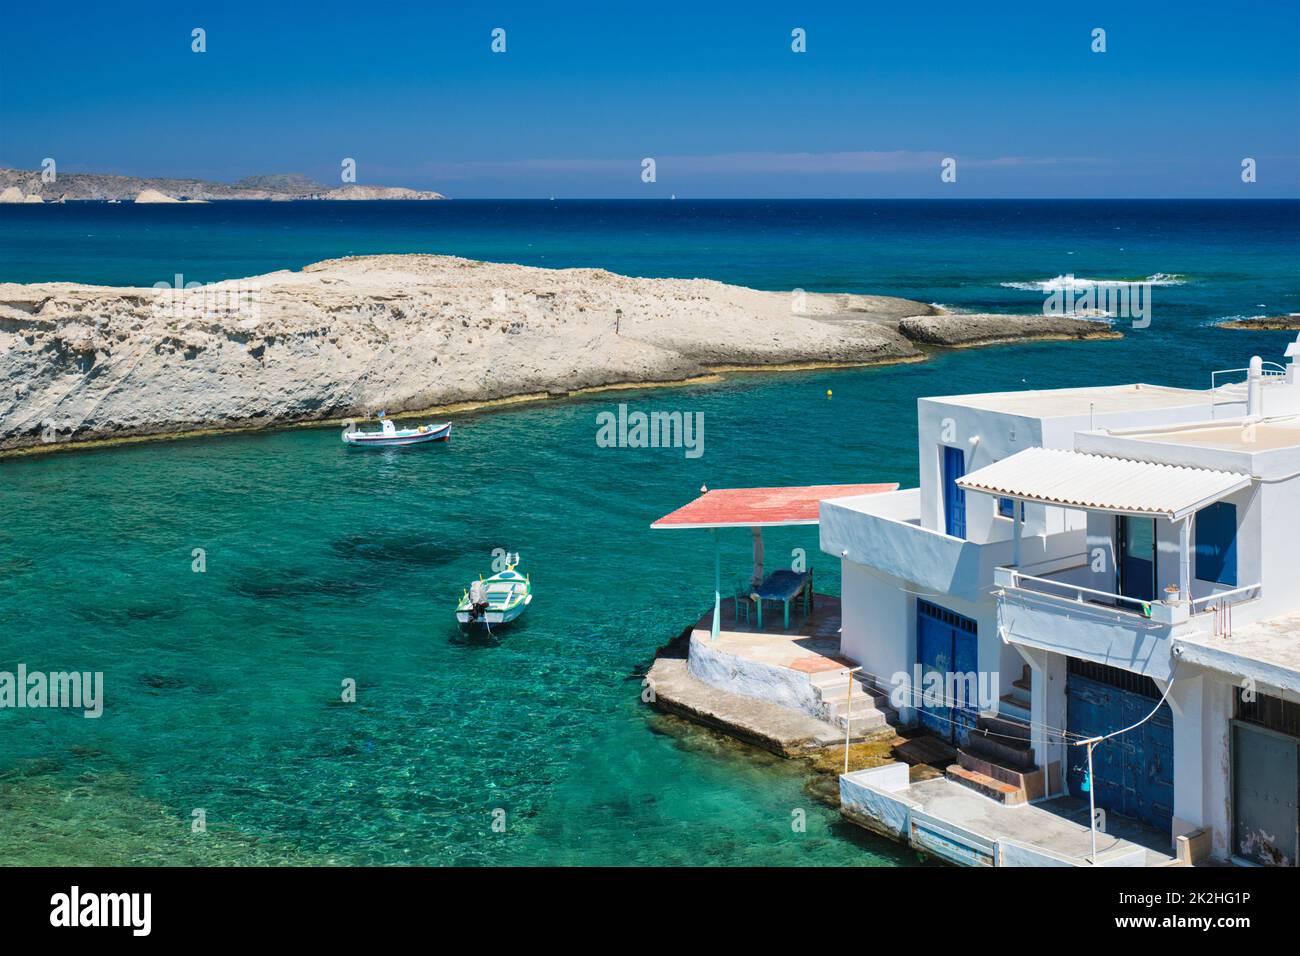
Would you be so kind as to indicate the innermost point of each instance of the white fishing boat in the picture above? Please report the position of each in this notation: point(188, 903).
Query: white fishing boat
point(497, 600)
point(389, 434)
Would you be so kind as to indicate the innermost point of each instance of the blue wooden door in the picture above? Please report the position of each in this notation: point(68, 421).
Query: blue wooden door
point(954, 497)
point(1136, 539)
point(946, 644)
point(1133, 773)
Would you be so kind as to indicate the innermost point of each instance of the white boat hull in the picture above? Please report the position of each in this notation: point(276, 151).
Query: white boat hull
point(508, 595)
point(491, 618)
point(405, 437)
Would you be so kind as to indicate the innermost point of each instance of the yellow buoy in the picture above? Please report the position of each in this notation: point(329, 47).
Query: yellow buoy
point(828, 393)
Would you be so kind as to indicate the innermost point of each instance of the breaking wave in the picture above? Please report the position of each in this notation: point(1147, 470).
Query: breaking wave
point(1071, 283)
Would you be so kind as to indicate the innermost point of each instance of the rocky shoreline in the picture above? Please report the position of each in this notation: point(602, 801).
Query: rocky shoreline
point(346, 337)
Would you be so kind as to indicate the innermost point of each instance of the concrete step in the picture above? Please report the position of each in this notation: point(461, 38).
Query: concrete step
point(861, 704)
point(1028, 782)
point(861, 707)
point(831, 678)
point(837, 689)
point(863, 723)
point(836, 683)
point(865, 711)
point(999, 750)
point(1013, 707)
point(982, 783)
point(923, 748)
point(1025, 681)
point(879, 698)
point(1003, 728)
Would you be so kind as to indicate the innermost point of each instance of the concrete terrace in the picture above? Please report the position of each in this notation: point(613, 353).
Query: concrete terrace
point(786, 691)
point(1265, 652)
point(800, 669)
point(956, 824)
point(1099, 400)
point(812, 645)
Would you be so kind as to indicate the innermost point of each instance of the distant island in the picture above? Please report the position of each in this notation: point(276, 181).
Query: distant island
point(23, 185)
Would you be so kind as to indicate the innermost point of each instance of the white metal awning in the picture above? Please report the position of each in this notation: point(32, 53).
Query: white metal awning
point(1072, 479)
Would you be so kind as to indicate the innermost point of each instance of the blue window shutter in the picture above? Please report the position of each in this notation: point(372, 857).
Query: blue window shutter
point(1216, 544)
point(1007, 507)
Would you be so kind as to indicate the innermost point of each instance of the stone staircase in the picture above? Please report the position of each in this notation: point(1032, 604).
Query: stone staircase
point(1016, 704)
point(869, 713)
point(998, 761)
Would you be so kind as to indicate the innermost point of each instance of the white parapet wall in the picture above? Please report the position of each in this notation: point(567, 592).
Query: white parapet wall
point(878, 799)
point(873, 798)
point(779, 685)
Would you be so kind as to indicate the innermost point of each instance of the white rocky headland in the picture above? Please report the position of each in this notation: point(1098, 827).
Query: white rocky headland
point(409, 332)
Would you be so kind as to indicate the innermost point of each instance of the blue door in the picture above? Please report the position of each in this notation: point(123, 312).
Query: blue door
point(946, 644)
point(1136, 538)
point(1132, 774)
point(954, 497)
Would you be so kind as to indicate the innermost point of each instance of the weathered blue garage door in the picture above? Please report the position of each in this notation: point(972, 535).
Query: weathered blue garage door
point(946, 642)
point(1133, 773)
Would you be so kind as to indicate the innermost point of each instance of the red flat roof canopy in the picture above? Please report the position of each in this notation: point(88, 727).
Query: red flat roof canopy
point(761, 507)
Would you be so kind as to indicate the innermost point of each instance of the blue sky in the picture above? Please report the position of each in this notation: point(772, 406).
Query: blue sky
point(712, 92)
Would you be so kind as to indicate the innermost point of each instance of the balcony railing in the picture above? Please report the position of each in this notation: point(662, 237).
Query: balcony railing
point(1075, 592)
point(1114, 629)
point(1234, 393)
point(1221, 604)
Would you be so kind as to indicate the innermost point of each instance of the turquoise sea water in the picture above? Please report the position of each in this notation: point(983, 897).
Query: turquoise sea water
point(323, 563)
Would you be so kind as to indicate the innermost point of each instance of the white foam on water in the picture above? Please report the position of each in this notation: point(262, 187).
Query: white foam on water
point(1071, 283)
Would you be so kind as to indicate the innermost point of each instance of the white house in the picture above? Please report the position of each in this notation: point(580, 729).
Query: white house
point(1122, 559)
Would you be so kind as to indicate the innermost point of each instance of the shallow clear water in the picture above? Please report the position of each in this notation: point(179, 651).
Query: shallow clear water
point(324, 564)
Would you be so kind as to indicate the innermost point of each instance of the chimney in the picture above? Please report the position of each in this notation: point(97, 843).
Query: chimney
point(1254, 378)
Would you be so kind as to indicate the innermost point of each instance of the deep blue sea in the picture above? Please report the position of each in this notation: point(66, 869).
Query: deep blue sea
point(322, 565)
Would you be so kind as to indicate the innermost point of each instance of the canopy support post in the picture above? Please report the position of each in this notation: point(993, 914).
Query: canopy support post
point(717, 587)
point(1185, 558)
point(1017, 522)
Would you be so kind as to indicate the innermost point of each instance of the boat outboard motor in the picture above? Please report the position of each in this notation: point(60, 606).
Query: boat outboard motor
point(478, 600)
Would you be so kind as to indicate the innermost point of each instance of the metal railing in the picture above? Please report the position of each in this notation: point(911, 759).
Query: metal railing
point(1079, 594)
point(1221, 604)
point(1271, 371)
point(1235, 596)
